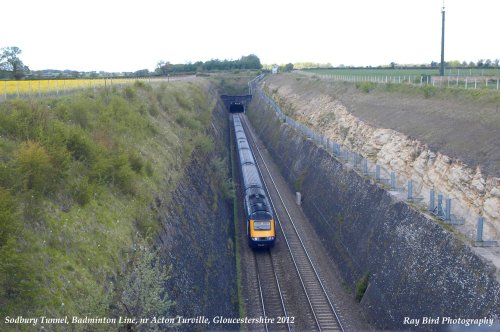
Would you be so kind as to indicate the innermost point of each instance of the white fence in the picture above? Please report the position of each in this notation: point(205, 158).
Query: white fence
point(465, 82)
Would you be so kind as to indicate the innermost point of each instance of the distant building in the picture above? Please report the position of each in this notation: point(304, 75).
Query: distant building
point(274, 70)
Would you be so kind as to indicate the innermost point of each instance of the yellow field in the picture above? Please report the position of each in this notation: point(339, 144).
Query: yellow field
point(9, 89)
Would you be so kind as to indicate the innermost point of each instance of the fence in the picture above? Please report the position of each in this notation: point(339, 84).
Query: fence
point(397, 184)
point(465, 82)
point(39, 88)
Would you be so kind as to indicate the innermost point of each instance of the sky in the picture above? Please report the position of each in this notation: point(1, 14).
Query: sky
point(126, 35)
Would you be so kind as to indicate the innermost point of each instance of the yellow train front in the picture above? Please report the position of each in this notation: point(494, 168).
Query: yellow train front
point(261, 227)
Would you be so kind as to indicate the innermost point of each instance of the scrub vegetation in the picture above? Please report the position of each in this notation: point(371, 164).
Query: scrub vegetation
point(79, 176)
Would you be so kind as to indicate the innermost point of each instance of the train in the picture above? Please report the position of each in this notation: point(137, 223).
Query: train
point(259, 217)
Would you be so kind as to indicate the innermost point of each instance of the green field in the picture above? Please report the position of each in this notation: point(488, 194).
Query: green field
point(472, 72)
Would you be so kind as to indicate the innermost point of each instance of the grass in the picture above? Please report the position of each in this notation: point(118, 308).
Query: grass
point(78, 176)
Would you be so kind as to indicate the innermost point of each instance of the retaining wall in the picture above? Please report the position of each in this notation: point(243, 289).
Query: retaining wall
point(416, 268)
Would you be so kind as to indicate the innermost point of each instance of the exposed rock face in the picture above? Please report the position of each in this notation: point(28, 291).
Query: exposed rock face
point(415, 267)
point(472, 193)
point(197, 238)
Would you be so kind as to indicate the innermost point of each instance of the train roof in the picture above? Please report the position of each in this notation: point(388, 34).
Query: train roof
point(257, 201)
point(246, 156)
point(251, 176)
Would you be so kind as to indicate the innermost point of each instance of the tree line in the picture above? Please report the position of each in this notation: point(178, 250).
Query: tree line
point(245, 62)
point(11, 67)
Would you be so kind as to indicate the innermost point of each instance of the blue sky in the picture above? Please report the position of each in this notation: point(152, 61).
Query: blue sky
point(131, 35)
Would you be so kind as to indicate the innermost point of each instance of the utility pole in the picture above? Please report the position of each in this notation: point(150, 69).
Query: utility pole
point(441, 67)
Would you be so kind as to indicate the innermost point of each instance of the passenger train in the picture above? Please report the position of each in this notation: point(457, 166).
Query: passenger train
point(261, 228)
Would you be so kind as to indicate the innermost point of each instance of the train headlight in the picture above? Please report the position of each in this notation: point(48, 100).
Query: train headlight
point(255, 239)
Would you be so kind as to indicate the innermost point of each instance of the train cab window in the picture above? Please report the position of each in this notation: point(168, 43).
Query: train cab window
point(261, 225)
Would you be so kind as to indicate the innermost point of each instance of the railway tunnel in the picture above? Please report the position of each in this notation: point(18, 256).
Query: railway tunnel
point(236, 104)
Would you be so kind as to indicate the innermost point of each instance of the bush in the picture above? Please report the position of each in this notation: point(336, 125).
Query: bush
point(136, 162)
point(129, 93)
point(144, 292)
point(204, 143)
point(34, 166)
point(361, 286)
point(365, 86)
point(82, 191)
point(80, 145)
point(8, 216)
point(429, 91)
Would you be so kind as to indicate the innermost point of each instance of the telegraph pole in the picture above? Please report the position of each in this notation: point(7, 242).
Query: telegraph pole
point(441, 67)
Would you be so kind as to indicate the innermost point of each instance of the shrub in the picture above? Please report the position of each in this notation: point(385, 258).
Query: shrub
point(82, 191)
point(34, 166)
point(80, 145)
point(187, 120)
point(144, 292)
point(361, 286)
point(136, 162)
point(129, 93)
point(122, 174)
point(8, 217)
point(429, 91)
point(182, 100)
point(365, 86)
point(204, 143)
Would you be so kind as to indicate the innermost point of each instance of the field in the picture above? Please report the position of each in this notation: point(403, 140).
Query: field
point(23, 88)
point(463, 72)
point(488, 78)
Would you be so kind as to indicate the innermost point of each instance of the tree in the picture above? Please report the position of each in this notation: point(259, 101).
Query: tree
point(10, 62)
point(250, 62)
point(289, 67)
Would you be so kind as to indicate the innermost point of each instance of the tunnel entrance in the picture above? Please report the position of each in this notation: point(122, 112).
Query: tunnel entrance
point(236, 108)
point(236, 104)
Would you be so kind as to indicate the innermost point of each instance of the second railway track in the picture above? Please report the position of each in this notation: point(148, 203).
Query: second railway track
point(324, 314)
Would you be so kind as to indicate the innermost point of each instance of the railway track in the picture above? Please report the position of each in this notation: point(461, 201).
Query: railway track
point(323, 310)
point(271, 295)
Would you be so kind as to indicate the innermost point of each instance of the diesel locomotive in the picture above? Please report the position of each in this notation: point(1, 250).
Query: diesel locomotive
point(261, 228)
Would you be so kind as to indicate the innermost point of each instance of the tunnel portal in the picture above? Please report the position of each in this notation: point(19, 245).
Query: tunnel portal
point(236, 104)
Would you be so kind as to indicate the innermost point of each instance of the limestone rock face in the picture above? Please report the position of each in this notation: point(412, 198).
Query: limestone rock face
point(472, 194)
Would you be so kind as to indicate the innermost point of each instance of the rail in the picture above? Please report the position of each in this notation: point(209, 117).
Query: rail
point(322, 308)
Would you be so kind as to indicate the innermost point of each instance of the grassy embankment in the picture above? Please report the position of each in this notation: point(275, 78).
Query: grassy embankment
point(78, 176)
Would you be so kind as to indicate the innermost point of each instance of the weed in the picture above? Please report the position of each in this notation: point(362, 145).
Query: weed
point(365, 86)
point(299, 181)
point(361, 286)
point(429, 91)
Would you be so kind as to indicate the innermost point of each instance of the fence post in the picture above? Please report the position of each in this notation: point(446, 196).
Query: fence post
point(447, 211)
point(410, 190)
point(479, 229)
point(393, 181)
point(365, 166)
point(440, 205)
point(5, 90)
point(431, 200)
point(377, 173)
